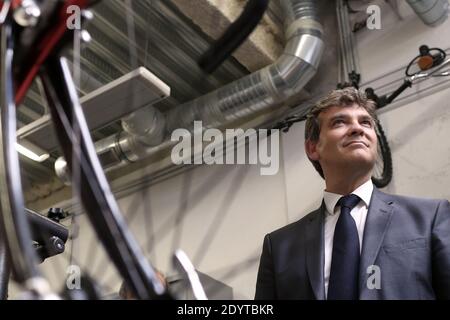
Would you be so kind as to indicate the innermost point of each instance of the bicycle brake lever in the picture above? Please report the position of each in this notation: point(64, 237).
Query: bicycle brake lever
point(183, 264)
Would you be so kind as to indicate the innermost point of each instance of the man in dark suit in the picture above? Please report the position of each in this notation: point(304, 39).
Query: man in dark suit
point(361, 243)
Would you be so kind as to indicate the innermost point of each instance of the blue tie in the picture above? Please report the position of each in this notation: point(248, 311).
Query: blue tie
point(344, 273)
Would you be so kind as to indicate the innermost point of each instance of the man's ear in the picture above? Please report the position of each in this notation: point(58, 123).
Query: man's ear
point(311, 150)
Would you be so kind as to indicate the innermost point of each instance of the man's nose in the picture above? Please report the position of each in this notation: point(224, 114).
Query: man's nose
point(356, 128)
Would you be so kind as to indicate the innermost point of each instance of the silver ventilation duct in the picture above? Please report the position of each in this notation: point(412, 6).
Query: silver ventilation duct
point(431, 12)
point(253, 93)
point(267, 87)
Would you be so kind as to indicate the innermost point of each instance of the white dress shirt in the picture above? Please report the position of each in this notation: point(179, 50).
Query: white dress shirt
point(332, 212)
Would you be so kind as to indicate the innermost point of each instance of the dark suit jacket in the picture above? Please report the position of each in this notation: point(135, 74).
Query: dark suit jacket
point(407, 238)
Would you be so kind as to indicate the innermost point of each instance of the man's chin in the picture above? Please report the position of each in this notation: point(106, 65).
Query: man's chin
point(358, 160)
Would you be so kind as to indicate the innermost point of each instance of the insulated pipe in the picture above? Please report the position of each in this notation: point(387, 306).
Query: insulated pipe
point(431, 12)
point(267, 87)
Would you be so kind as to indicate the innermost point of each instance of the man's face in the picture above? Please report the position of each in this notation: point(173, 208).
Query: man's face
point(347, 138)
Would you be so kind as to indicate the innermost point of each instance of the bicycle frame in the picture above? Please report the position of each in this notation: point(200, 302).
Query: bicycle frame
point(432, 73)
point(67, 114)
point(46, 43)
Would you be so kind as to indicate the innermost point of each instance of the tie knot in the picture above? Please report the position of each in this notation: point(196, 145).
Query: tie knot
point(349, 201)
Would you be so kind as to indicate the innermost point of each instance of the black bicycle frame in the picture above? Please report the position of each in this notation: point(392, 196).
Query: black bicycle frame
point(95, 192)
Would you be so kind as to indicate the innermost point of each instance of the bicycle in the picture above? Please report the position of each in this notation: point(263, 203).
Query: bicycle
point(21, 67)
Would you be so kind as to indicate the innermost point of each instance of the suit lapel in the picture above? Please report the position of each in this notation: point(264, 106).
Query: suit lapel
point(315, 252)
point(377, 222)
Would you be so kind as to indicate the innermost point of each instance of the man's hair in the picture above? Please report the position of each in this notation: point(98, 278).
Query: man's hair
point(340, 98)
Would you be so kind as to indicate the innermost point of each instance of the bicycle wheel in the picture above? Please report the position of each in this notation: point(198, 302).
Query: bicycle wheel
point(78, 148)
point(382, 175)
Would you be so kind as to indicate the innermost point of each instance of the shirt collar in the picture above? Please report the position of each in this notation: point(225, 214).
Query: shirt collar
point(364, 191)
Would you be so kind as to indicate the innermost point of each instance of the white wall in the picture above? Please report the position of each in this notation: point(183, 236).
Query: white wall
point(397, 42)
point(419, 138)
point(224, 211)
point(303, 185)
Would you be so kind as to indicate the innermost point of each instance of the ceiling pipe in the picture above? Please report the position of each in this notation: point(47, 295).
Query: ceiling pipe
point(267, 87)
point(431, 12)
point(256, 92)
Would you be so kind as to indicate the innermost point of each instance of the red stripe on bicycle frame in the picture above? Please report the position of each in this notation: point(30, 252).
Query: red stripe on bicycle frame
point(14, 4)
point(48, 43)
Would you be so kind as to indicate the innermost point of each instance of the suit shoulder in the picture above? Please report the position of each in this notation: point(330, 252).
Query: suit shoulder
point(293, 227)
point(415, 206)
point(411, 201)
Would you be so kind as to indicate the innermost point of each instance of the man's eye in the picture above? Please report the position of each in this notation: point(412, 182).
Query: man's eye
point(338, 122)
point(367, 123)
